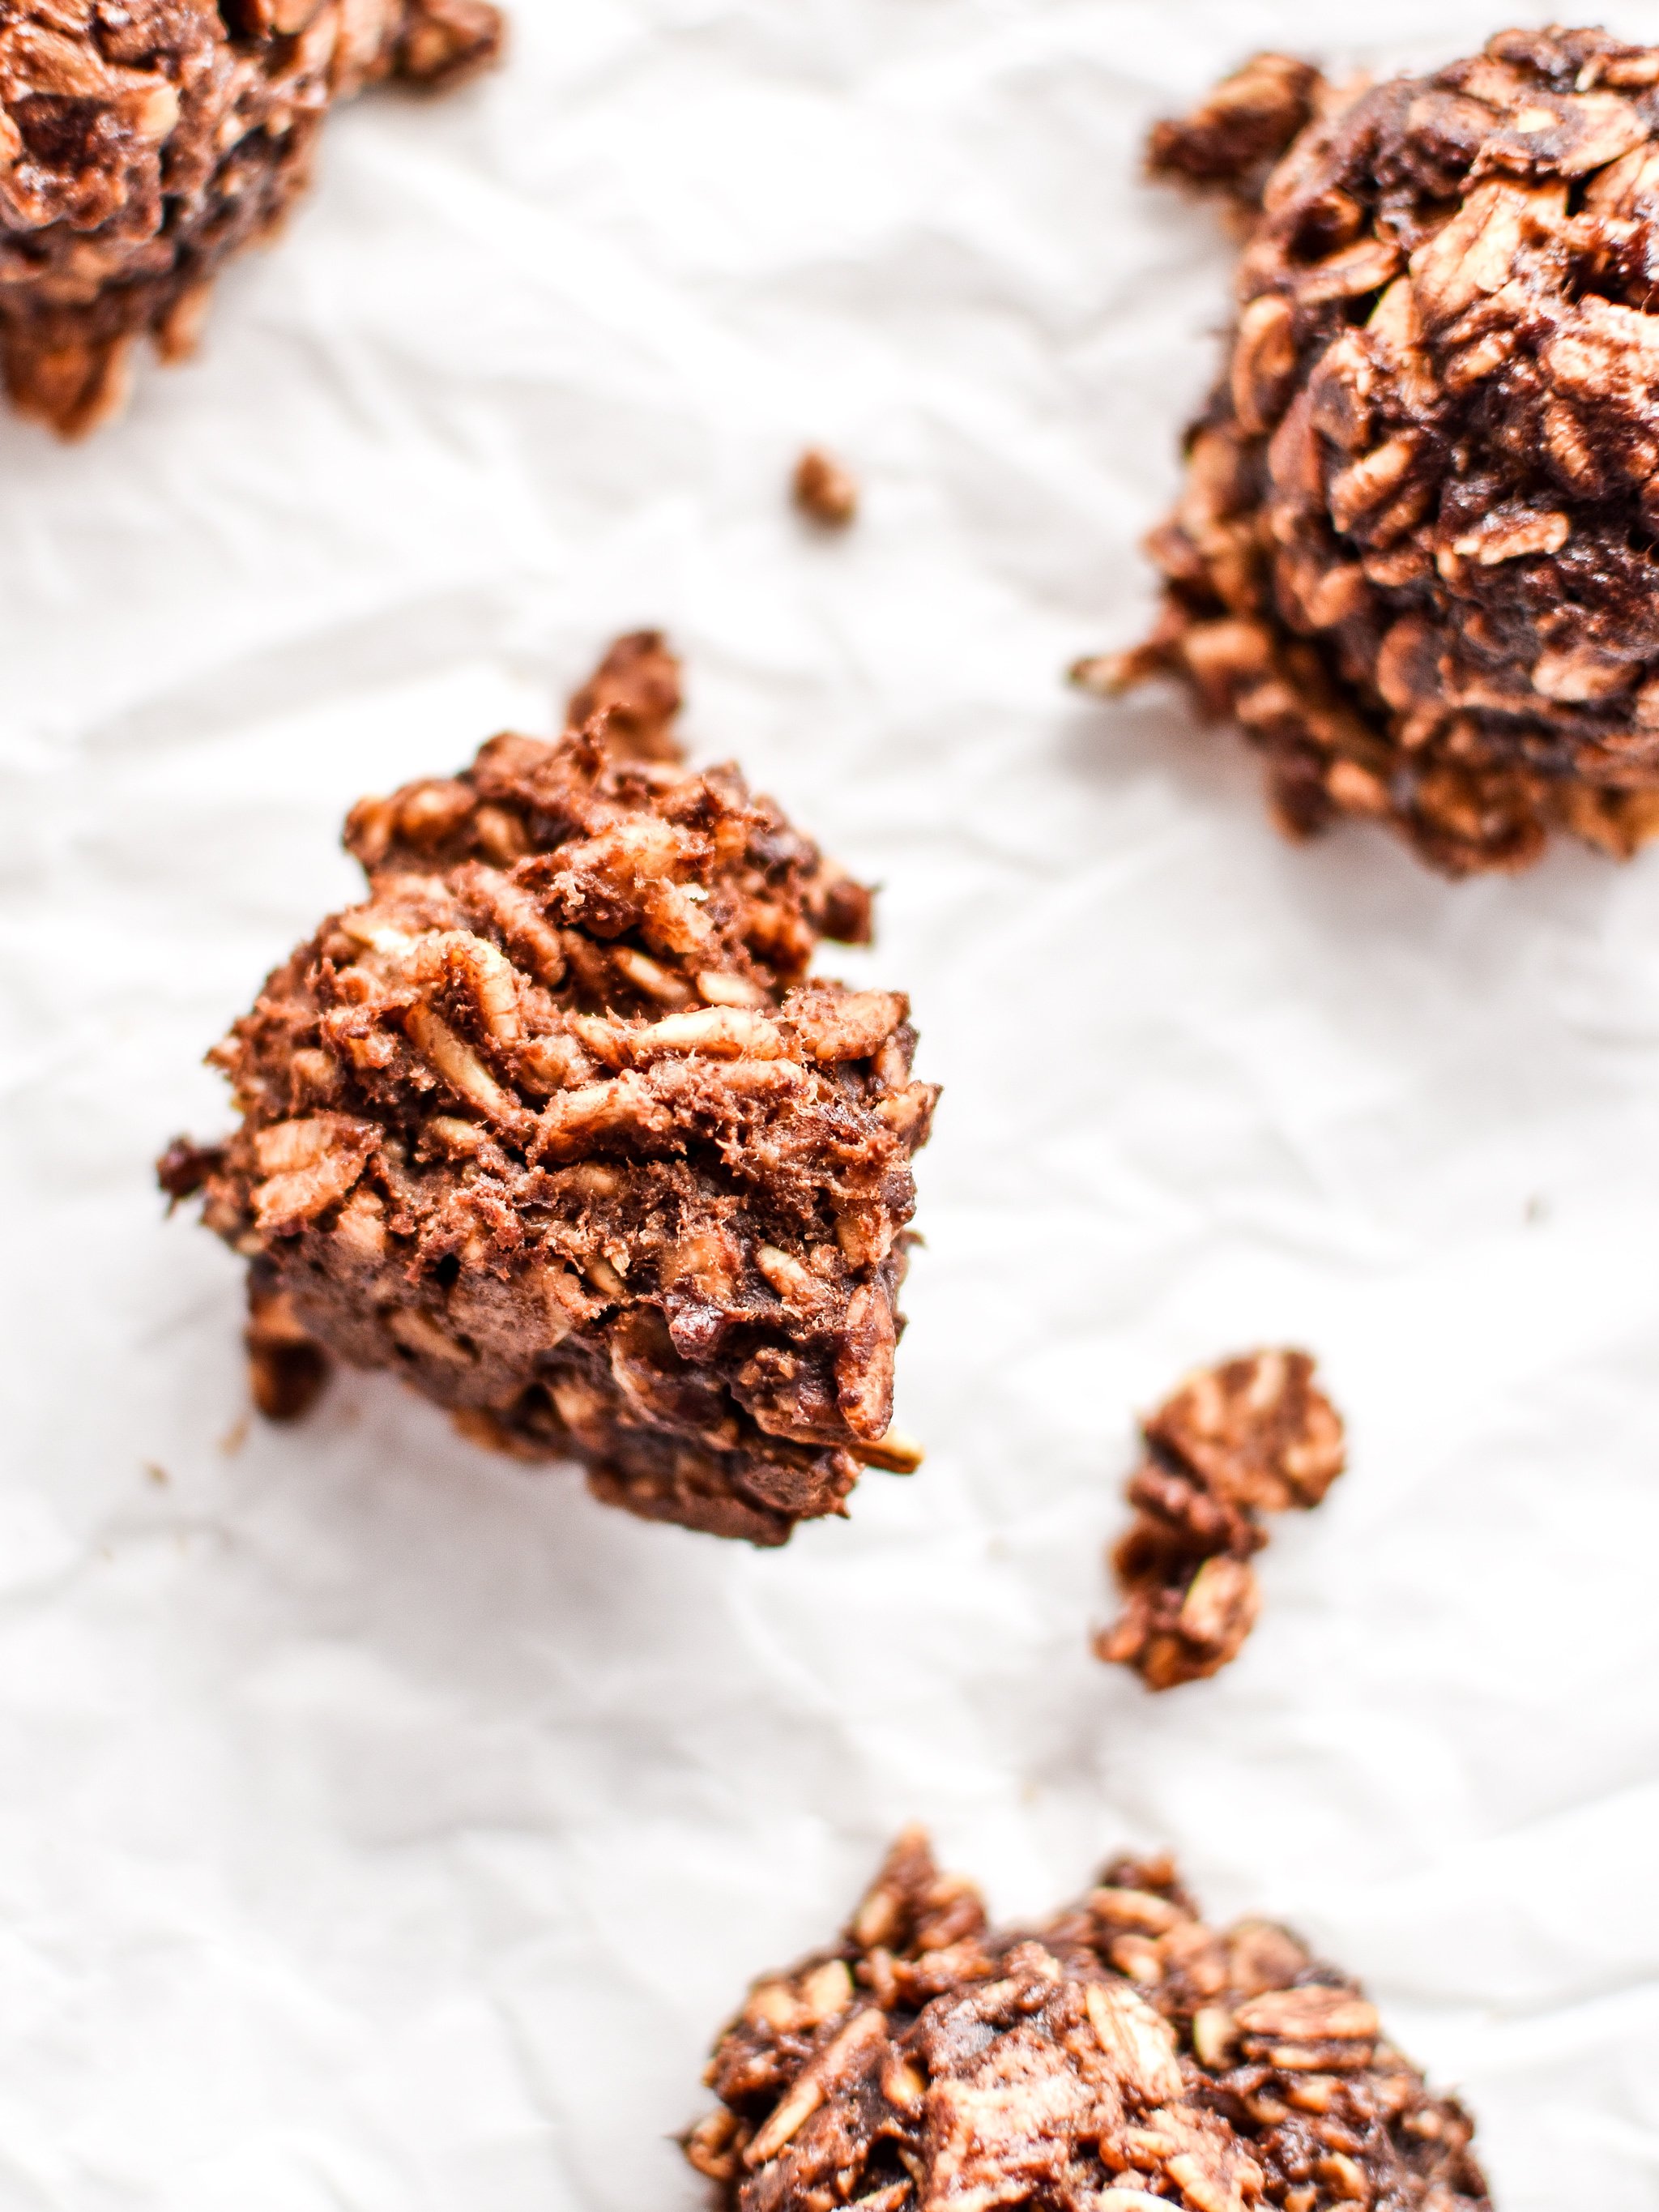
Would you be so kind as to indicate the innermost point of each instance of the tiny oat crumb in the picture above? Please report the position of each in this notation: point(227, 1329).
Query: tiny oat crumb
point(824, 490)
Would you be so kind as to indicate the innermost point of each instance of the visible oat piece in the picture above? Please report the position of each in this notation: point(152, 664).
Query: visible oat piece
point(1125, 2058)
point(636, 687)
point(1250, 1437)
point(824, 490)
point(556, 1124)
point(1230, 140)
point(144, 141)
point(1413, 557)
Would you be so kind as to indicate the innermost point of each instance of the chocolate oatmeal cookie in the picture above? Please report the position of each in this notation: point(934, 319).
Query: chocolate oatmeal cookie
point(144, 141)
point(1251, 1436)
point(1125, 2058)
point(1414, 558)
point(556, 1124)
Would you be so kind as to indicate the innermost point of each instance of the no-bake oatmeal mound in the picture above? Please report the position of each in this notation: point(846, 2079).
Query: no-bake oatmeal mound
point(1126, 2058)
point(144, 141)
point(556, 1124)
point(1414, 556)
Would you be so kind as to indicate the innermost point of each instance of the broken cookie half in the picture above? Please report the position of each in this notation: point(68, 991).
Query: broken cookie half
point(1126, 2057)
point(1413, 554)
point(554, 1124)
point(143, 142)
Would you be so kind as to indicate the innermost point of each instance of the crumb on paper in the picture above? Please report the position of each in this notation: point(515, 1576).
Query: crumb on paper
point(1250, 1437)
point(824, 490)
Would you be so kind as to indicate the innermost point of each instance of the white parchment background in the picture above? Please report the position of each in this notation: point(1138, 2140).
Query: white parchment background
point(383, 1828)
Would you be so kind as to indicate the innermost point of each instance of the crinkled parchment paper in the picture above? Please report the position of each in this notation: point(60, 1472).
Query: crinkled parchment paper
point(385, 1828)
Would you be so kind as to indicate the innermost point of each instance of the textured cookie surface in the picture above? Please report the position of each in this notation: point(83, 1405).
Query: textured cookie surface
point(144, 141)
point(556, 1125)
point(1125, 2058)
point(1413, 557)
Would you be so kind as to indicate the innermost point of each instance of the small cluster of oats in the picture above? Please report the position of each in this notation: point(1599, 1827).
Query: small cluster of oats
point(1251, 1436)
point(1412, 558)
point(1126, 2057)
point(144, 141)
